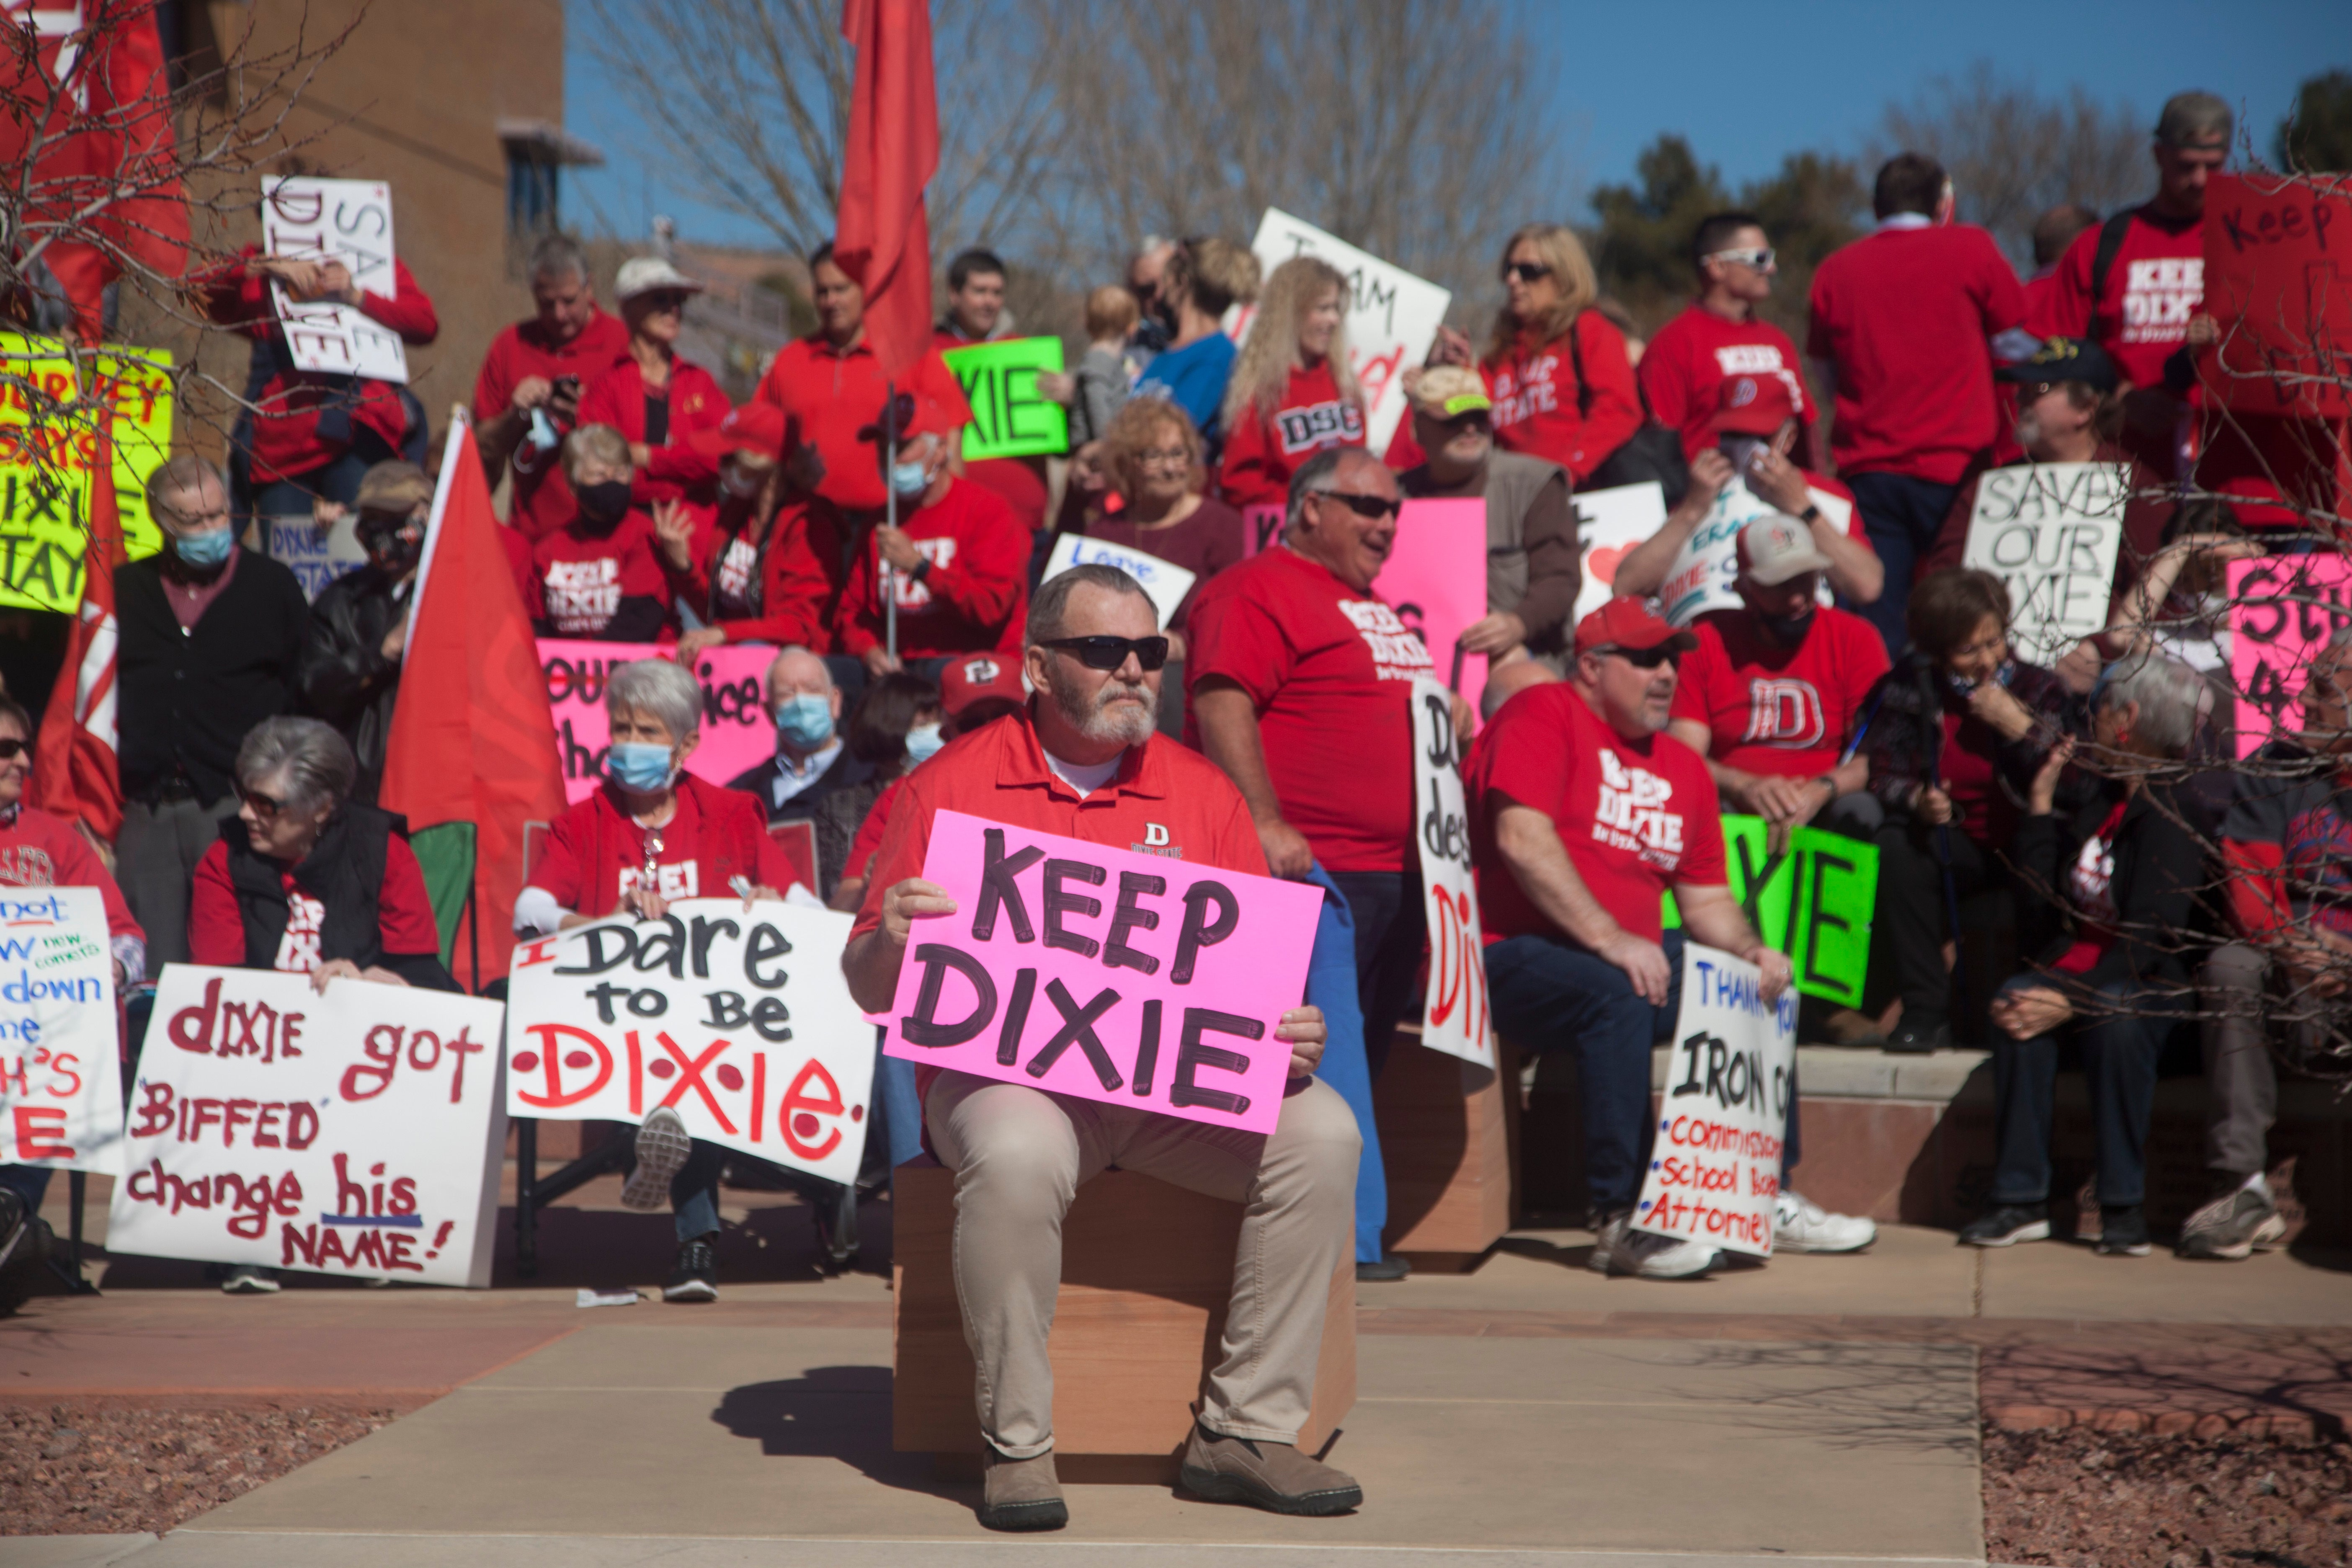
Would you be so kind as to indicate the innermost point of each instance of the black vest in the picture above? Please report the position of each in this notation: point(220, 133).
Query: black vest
point(344, 871)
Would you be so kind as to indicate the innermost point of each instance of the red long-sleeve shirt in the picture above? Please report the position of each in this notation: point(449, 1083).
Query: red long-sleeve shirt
point(972, 599)
point(781, 594)
point(1536, 396)
point(1263, 449)
point(672, 470)
point(285, 439)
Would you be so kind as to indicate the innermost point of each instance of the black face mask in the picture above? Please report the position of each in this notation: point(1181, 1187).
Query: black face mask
point(393, 543)
point(604, 504)
point(1788, 629)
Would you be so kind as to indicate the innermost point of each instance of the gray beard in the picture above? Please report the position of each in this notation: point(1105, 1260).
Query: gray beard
point(1129, 724)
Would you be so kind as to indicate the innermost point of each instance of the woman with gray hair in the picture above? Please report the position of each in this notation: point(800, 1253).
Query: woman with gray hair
point(653, 834)
point(2109, 907)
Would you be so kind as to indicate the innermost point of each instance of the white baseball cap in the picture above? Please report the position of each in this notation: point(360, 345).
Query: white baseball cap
point(643, 274)
point(1776, 547)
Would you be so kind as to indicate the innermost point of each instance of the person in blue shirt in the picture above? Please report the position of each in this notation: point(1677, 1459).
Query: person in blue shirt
point(1205, 278)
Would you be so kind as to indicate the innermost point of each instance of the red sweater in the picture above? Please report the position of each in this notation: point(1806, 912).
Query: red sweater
point(285, 439)
point(673, 471)
point(1536, 396)
point(39, 850)
point(779, 593)
point(974, 597)
point(1263, 449)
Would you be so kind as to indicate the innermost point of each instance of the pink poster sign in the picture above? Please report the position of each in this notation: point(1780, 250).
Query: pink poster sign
point(2283, 610)
point(1105, 975)
point(1436, 580)
point(737, 733)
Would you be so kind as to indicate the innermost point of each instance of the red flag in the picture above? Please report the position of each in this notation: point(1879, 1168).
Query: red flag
point(472, 740)
point(880, 237)
point(85, 97)
point(73, 758)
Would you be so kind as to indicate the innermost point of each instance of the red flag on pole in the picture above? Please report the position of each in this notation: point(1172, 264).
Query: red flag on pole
point(73, 757)
point(881, 236)
point(88, 103)
point(472, 740)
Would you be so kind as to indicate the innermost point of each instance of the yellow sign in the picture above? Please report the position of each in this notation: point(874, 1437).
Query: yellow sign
point(45, 456)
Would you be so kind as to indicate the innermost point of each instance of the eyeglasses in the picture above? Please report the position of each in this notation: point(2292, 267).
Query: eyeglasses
point(1647, 657)
point(1760, 257)
point(1173, 458)
point(262, 805)
point(1110, 652)
point(11, 750)
point(1527, 271)
point(666, 299)
point(1362, 506)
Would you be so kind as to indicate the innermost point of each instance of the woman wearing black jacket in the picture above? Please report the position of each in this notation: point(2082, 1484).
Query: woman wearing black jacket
point(348, 673)
point(2108, 907)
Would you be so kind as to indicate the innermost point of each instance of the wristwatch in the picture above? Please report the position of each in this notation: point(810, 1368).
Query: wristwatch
point(922, 570)
point(1813, 513)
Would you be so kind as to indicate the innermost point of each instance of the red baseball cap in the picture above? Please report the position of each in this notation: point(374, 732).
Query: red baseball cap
point(977, 678)
point(2257, 503)
point(1628, 623)
point(1753, 406)
point(753, 428)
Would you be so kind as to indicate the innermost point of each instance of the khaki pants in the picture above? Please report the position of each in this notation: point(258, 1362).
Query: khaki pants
point(1020, 1155)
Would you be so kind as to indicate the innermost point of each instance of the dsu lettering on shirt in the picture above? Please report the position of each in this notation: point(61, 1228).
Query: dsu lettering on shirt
point(297, 950)
point(1318, 425)
point(680, 880)
point(1631, 813)
point(582, 596)
point(914, 595)
point(1527, 392)
point(2159, 296)
point(1397, 654)
point(1782, 711)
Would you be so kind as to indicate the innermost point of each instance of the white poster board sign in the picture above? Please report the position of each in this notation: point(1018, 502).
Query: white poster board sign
point(356, 1131)
point(739, 1021)
point(1166, 582)
point(1392, 316)
point(1608, 524)
point(1714, 1165)
point(347, 221)
point(2051, 532)
point(1702, 575)
point(315, 559)
point(61, 1081)
point(1455, 1017)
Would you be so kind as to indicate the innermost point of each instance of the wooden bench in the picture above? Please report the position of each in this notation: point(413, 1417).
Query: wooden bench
point(1448, 1140)
point(1147, 1273)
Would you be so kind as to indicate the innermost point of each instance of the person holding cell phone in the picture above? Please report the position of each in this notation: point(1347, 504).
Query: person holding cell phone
point(527, 398)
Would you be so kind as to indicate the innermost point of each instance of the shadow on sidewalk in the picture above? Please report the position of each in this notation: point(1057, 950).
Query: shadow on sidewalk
point(831, 1413)
point(1921, 1397)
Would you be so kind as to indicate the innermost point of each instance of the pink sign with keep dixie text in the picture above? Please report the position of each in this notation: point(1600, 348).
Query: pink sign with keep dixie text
point(1105, 975)
point(737, 733)
point(1436, 580)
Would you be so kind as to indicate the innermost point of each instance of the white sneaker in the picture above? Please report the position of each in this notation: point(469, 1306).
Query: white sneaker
point(1801, 1224)
point(1622, 1249)
point(663, 1145)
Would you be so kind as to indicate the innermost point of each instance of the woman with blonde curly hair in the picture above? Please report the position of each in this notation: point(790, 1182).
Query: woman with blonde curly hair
point(1293, 392)
point(1557, 369)
point(1155, 461)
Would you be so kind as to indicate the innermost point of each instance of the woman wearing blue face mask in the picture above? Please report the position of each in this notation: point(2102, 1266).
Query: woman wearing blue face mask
point(655, 834)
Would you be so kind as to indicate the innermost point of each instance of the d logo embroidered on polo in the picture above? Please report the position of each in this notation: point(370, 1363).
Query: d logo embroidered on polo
point(1784, 712)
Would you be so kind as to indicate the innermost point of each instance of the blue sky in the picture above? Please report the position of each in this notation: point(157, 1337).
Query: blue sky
point(1747, 83)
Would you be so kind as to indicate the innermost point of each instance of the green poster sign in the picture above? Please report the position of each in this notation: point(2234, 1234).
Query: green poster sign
point(1008, 419)
point(1815, 903)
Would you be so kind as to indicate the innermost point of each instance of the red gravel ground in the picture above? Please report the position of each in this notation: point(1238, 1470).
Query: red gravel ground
point(2110, 1499)
point(73, 1471)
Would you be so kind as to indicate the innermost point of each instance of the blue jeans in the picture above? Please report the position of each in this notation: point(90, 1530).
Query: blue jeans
point(2119, 1056)
point(1331, 985)
point(1902, 515)
point(694, 1191)
point(902, 1107)
point(1552, 996)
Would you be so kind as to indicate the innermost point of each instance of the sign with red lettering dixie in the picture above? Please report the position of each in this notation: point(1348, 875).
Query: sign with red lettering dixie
point(1714, 1165)
point(354, 1132)
point(1455, 1014)
point(60, 1105)
point(737, 1019)
point(1105, 975)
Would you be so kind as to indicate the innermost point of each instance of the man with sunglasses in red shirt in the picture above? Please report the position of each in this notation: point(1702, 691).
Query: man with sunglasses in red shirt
point(1720, 337)
point(1084, 760)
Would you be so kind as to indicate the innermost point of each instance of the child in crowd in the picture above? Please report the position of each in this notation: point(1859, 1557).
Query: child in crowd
point(1103, 376)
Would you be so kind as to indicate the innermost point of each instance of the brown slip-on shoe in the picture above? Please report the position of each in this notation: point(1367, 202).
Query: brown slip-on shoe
point(1272, 1476)
point(1019, 1494)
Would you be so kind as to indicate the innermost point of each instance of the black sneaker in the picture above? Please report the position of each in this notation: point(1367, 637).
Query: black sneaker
point(2123, 1231)
point(2238, 1220)
point(15, 1223)
point(1389, 1268)
point(2007, 1225)
point(1919, 1039)
point(697, 1277)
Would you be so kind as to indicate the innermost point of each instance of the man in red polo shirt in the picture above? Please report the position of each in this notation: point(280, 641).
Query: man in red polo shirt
point(1903, 330)
point(2131, 284)
point(1084, 760)
point(1581, 814)
point(831, 387)
point(1720, 337)
point(976, 315)
point(958, 562)
point(540, 365)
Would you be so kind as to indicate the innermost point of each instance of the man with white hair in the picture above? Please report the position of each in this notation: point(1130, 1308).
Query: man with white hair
point(1084, 760)
point(811, 760)
point(537, 367)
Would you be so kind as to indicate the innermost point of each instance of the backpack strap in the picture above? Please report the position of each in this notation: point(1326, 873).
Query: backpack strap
point(1576, 363)
point(2103, 262)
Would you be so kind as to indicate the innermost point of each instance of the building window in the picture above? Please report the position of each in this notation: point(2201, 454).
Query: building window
point(536, 154)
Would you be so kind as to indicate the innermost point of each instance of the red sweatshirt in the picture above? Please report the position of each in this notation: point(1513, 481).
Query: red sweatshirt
point(2155, 284)
point(1536, 396)
point(39, 850)
point(673, 471)
point(778, 592)
point(606, 587)
point(285, 439)
point(1263, 449)
point(972, 599)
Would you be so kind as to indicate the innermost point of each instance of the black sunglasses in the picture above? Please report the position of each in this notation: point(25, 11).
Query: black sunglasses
point(1648, 658)
point(1110, 652)
point(262, 805)
point(1363, 506)
point(1527, 271)
point(11, 750)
